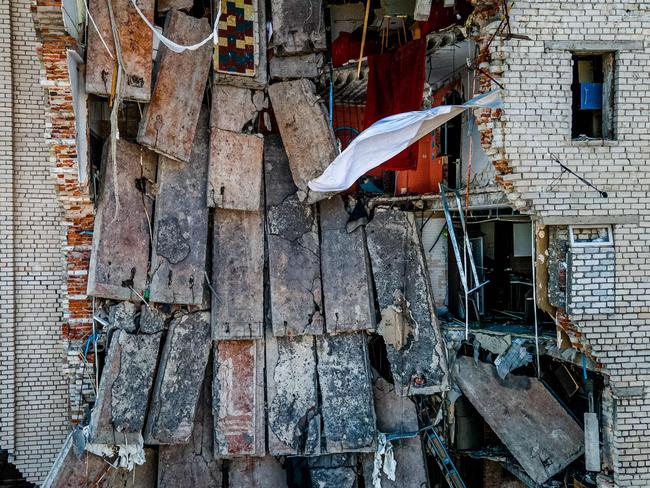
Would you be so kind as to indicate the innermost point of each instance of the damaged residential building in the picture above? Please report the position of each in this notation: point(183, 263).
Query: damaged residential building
point(298, 243)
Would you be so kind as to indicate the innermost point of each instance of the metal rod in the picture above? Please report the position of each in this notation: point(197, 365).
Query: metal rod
point(534, 270)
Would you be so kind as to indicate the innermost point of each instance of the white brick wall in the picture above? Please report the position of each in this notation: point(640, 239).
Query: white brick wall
point(33, 392)
point(536, 122)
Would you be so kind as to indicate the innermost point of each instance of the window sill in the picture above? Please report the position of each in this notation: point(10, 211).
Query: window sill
point(593, 142)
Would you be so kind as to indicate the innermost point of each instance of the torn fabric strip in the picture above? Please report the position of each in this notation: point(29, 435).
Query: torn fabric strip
point(388, 137)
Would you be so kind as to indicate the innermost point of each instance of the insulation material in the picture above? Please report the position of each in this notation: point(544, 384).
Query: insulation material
point(120, 248)
point(181, 225)
point(294, 250)
point(298, 27)
point(292, 396)
point(534, 427)
point(238, 275)
point(235, 177)
point(347, 291)
point(306, 132)
point(346, 393)
point(238, 398)
point(123, 395)
point(408, 324)
point(136, 44)
point(169, 122)
point(179, 378)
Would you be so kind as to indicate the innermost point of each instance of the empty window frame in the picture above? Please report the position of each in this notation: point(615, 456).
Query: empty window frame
point(593, 96)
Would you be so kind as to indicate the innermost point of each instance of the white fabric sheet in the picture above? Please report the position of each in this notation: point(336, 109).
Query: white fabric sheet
point(388, 137)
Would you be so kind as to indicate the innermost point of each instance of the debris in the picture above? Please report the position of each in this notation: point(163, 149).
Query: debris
point(120, 249)
point(122, 316)
point(165, 5)
point(294, 250)
point(152, 320)
point(306, 133)
point(235, 176)
point(292, 398)
point(237, 274)
point(181, 225)
point(136, 45)
point(238, 398)
point(495, 343)
point(193, 464)
point(515, 357)
point(69, 471)
point(178, 381)
point(347, 292)
point(123, 395)
point(409, 324)
point(169, 123)
point(342, 477)
point(535, 428)
point(141, 476)
point(346, 394)
point(266, 472)
point(298, 27)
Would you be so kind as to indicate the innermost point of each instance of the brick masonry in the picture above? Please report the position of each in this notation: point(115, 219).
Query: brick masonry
point(535, 122)
point(33, 389)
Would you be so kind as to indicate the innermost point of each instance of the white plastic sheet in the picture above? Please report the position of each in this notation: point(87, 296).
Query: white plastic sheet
point(388, 137)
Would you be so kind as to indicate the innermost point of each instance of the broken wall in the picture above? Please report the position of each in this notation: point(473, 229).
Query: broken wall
point(536, 122)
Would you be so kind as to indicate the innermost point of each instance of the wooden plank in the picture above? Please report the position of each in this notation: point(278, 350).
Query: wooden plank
point(408, 322)
point(534, 427)
point(346, 393)
point(298, 27)
point(238, 275)
point(120, 248)
point(266, 472)
point(136, 43)
point(194, 463)
point(123, 395)
point(292, 396)
point(306, 133)
point(235, 108)
point(179, 378)
point(181, 225)
point(294, 250)
point(169, 122)
point(238, 398)
point(235, 176)
point(347, 292)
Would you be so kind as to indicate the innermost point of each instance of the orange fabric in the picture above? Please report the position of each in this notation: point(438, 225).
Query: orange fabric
point(426, 177)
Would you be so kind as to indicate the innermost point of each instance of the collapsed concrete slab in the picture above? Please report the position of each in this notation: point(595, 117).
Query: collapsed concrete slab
point(397, 414)
point(165, 5)
point(120, 248)
point(343, 477)
point(169, 121)
point(122, 316)
point(238, 398)
point(193, 464)
point(178, 382)
point(292, 67)
point(240, 57)
point(235, 177)
point(136, 44)
point(235, 108)
point(408, 322)
point(347, 292)
point(346, 393)
point(123, 395)
point(238, 275)
point(294, 251)
point(298, 27)
point(181, 225)
point(535, 428)
point(306, 133)
point(266, 472)
point(292, 396)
